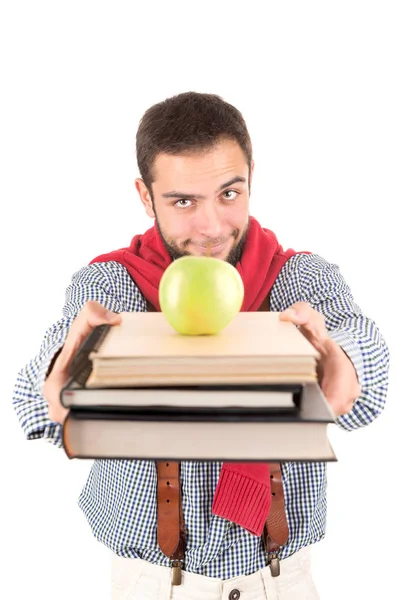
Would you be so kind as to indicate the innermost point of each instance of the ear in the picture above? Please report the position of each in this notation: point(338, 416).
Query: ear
point(251, 172)
point(145, 197)
point(251, 175)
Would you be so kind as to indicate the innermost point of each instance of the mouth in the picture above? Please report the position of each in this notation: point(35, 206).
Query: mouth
point(213, 250)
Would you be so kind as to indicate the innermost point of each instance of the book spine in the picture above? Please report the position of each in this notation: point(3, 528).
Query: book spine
point(81, 365)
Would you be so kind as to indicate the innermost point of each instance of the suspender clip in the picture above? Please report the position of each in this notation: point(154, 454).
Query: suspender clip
point(274, 564)
point(176, 567)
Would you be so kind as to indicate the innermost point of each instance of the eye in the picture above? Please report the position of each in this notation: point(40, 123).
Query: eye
point(229, 194)
point(183, 203)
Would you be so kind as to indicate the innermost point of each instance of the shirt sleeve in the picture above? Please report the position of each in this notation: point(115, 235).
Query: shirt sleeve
point(310, 278)
point(93, 282)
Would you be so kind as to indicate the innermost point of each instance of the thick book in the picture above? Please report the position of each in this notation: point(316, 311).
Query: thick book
point(201, 433)
point(144, 350)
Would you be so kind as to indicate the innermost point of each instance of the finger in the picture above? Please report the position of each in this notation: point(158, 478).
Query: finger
point(92, 315)
point(338, 406)
point(51, 393)
point(311, 322)
point(57, 412)
point(299, 313)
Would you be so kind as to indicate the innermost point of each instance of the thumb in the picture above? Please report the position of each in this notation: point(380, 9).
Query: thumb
point(295, 315)
point(92, 315)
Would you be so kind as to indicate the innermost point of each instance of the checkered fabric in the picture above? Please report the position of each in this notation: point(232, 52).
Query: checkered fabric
point(119, 497)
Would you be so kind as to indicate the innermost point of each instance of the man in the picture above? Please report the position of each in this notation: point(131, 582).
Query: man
point(195, 159)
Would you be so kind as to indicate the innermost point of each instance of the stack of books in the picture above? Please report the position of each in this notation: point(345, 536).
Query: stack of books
point(139, 390)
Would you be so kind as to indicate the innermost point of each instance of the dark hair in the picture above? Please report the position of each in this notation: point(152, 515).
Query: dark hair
point(186, 123)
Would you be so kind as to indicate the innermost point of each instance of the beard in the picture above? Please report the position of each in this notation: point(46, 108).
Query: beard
point(233, 257)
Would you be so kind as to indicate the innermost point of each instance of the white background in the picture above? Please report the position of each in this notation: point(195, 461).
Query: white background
point(318, 83)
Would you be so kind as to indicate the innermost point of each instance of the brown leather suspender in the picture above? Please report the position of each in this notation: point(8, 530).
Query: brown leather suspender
point(171, 534)
point(276, 529)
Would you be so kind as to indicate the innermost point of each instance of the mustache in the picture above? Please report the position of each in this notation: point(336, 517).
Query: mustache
point(212, 242)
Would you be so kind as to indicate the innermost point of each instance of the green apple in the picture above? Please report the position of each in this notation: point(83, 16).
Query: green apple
point(200, 295)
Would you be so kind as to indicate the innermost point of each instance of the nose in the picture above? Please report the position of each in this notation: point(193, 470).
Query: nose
point(208, 221)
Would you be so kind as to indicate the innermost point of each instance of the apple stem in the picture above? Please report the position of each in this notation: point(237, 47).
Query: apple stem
point(208, 249)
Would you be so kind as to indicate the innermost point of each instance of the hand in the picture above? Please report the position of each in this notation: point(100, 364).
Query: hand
point(336, 373)
point(91, 315)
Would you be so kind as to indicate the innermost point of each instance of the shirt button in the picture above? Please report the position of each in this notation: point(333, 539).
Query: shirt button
point(234, 595)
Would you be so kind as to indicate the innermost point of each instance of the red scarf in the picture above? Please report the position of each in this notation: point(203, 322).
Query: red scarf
point(243, 493)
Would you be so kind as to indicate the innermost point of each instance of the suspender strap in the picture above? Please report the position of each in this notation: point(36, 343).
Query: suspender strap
point(276, 530)
point(276, 523)
point(171, 536)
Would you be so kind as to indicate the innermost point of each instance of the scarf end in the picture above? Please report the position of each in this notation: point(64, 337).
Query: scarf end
point(242, 500)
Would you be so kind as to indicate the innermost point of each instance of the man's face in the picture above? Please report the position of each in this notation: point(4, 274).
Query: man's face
point(201, 201)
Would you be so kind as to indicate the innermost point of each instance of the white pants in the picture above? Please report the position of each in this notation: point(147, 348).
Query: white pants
point(133, 578)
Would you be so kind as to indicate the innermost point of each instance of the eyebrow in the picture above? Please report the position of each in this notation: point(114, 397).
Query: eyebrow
point(181, 195)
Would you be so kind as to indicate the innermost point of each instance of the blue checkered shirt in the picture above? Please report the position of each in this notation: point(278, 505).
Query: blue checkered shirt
point(119, 497)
